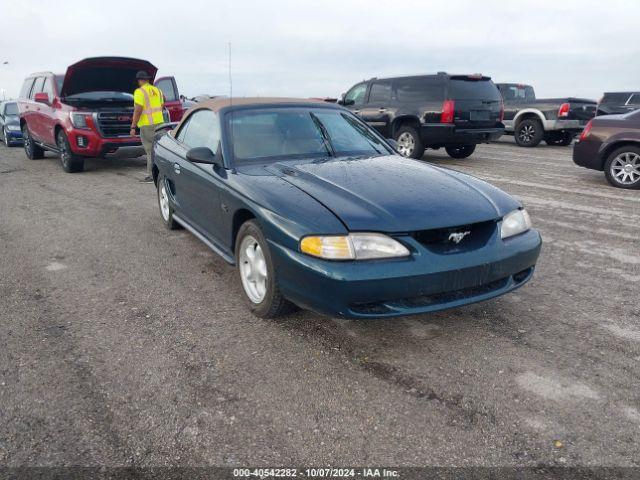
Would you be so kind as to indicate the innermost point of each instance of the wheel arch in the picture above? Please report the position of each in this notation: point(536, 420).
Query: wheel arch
point(240, 216)
point(528, 114)
point(609, 148)
point(402, 120)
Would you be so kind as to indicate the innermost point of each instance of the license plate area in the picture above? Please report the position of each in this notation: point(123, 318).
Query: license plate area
point(478, 115)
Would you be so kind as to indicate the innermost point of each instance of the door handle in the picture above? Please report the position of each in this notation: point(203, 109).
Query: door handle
point(176, 168)
point(382, 109)
point(357, 112)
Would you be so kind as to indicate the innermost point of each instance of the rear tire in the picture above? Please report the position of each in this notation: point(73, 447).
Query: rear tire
point(529, 133)
point(257, 274)
point(558, 139)
point(409, 143)
point(622, 168)
point(460, 151)
point(31, 150)
point(70, 163)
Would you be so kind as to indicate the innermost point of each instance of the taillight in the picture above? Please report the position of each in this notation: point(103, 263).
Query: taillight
point(564, 110)
point(587, 130)
point(448, 111)
point(501, 110)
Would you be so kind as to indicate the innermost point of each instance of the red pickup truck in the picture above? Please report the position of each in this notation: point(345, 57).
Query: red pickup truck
point(87, 111)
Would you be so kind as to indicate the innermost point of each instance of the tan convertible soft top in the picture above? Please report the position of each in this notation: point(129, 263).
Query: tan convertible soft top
point(216, 104)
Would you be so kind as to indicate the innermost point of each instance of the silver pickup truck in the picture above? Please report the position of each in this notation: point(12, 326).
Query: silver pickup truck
point(555, 120)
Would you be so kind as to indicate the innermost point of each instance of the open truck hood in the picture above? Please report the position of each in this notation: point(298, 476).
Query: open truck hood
point(111, 74)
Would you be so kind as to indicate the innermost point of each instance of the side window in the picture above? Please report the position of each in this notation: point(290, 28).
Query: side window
point(37, 87)
point(48, 88)
point(634, 99)
point(202, 129)
point(357, 94)
point(168, 90)
point(420, 89)
point(380, 92)
point(26, 88)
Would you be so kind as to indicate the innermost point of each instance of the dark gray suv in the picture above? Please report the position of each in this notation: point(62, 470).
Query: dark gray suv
point(430, 111)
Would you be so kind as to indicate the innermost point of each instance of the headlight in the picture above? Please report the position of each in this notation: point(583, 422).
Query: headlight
point(514, 223)
point(355, 246)
point(13, 128)
point(79, 120)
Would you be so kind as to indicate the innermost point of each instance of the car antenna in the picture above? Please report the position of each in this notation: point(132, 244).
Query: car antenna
point(230, 97)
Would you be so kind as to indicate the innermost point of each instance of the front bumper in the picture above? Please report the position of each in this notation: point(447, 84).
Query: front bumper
point(424, 282)
point(441, 135)
point(14, 136)
point(89, 143)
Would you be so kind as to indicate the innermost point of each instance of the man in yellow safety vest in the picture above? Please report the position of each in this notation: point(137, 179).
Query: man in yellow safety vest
point(148, 103)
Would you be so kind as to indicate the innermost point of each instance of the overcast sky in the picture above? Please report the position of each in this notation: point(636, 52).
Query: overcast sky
point(320, 48)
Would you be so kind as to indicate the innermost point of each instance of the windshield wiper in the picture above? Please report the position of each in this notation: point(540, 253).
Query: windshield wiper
point(325, 135)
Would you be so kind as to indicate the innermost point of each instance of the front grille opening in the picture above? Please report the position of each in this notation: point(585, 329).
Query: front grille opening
point(378, 308)
point(443, 240)
point(114, 124)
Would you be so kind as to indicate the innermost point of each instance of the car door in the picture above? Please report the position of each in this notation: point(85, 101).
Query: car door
point(47, 114)
point(354, 98)
point(34, 118)
point(376, 111)
point(197, 186)
point(172, 102)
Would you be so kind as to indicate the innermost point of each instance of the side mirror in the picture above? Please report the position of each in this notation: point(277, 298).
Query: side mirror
point(204, 155)
point(41, 97)
point(348, 102)
point(393, 143)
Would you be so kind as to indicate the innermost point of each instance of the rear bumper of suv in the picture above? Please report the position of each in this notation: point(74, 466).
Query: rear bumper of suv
point(440, 135)
point(88, 143)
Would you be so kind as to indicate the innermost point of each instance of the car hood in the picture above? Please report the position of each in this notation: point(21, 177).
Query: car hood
point(109, 74)
point(12, 120)
point(396, 194)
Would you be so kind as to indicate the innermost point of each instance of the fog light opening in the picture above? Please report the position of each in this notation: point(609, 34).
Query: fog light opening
point(82, 141)
point(523, 275)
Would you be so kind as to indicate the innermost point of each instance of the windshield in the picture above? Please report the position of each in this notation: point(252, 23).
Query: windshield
point(11, 109)
point(263, 135)
point(103, 96)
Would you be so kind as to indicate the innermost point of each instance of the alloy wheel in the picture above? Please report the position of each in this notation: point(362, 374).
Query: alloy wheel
point(406, 144)
point(625, 168)
point(527, 133)
point(253, 269)
point(26, 139)
point(64, 151)
point(164, 201)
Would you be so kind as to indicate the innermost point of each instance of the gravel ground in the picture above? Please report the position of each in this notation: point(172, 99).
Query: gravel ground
point(122, 343)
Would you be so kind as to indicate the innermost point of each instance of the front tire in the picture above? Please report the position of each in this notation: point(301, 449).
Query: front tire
point(529, 133)
point(164, 204)
point(460, 151)
point(409, 143)
point(31, 150)
point(257, 273)
point(70, 163)
point(558, 139)
point(622, 168)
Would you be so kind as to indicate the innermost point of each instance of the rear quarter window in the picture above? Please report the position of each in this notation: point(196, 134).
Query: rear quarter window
point(26, 88)
point(419, 89)
point(474, 90)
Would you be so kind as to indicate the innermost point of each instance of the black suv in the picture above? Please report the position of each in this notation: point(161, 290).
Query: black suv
point(430, 111)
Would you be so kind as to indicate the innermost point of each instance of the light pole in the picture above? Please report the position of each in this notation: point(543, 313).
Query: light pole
point(4, 92)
